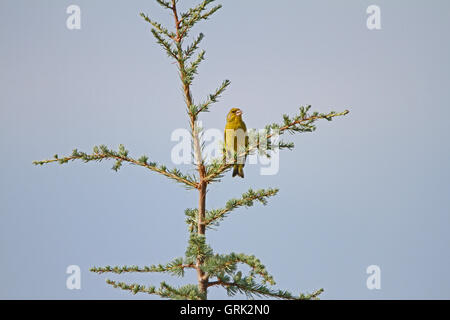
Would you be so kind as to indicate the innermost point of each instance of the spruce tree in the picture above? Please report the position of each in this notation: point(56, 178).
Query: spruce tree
point(212, 269)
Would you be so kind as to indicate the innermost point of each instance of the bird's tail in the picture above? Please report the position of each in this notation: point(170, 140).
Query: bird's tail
point(238, 169)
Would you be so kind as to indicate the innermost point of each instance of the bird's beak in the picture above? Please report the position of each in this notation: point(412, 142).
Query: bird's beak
point(239, 112)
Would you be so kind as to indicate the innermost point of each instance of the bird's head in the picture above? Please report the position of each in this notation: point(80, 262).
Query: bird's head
point(234, 114)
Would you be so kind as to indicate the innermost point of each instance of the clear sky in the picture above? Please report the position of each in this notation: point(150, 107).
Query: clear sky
point(371, 188)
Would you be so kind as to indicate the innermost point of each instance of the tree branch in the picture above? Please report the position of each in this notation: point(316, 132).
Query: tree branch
point(102, 152)
point(302, 123)
point(250, 288)
point(176, 267)
point(188, 292)
point(218, 264)
point(212, 217)
point(204, 107)
point(247, 200)
point(158, 27)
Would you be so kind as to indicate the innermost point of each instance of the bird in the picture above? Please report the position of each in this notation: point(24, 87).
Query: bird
point(235, 128)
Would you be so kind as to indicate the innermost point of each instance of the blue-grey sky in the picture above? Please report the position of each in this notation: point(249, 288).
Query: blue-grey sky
point(371, 188)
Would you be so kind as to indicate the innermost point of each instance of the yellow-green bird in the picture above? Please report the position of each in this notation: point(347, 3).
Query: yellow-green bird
point(236, 138)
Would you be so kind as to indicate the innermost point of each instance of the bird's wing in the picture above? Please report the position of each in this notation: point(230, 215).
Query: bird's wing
point(244, 127)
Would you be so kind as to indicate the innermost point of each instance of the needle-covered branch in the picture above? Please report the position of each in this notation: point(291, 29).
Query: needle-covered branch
point(159, 28)
point(224, 268)
point(187, 292)
point(213, 98)
point(251, 288)
point(176, 267)
point(197, 248)
point(247, 200)
point(303, 122)
point(188, 73)
point(190, 49)
point(213, 217)
point(219, 265)
point(196, 14)
point(166, 45)
point(183, 25)
point(103, 153)
point(164, 4)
